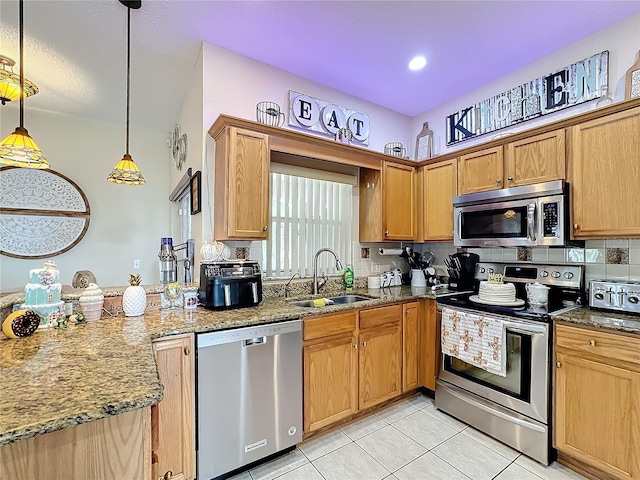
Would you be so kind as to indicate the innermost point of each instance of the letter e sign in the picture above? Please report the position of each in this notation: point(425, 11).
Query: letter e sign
point(305, 110)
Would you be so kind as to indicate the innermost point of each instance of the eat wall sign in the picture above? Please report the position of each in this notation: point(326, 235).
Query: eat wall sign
point(313, 114)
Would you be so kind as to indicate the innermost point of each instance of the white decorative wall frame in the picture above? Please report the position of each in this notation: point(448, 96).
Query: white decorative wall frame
point(42, 213)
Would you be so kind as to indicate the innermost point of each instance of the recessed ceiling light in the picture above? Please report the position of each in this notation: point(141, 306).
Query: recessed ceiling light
point(417, 63)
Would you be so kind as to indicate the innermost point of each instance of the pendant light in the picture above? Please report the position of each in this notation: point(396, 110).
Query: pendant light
point(126, 171)
point(10, 82)
point(19, 149)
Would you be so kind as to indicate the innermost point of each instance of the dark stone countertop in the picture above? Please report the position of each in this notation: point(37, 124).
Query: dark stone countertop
point(605, 320)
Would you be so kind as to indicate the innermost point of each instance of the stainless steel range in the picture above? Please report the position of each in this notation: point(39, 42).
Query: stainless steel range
point(513, 407)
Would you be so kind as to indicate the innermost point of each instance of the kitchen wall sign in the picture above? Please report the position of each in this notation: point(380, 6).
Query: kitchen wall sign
point(632, 80)
point(571, 85)
point(313, 114)
point(42, 213)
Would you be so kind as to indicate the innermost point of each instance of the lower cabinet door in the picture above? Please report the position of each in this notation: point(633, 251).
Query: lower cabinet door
point(380, 376)
point(410, 346)
point(330, 382)
point(596, 415)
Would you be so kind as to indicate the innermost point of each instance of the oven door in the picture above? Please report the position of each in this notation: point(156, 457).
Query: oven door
point(525, 389)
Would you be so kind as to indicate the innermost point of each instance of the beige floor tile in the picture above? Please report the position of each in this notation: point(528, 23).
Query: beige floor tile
point(425, 429)
point(471, 458)
point(555, 471)
point(305, 472)
point(364, 427)
point(391, 448)
point(445, 418)
point(516, 472)
point(421, 401)
point(491, 443)
point(324, 444)
point(279, 466)
point(397, 411)
point(350, 463)
point(429, 467)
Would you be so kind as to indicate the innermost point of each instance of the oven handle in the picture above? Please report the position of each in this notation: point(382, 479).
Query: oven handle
point(497, 413)
point(527, 329)
point(531, 217)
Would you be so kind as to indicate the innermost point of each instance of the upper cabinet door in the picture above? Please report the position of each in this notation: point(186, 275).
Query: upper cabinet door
point(481, 171)
point(241, 185)
point(604, 171)
point(438, 190)
point(536, 159)
point(398, 209)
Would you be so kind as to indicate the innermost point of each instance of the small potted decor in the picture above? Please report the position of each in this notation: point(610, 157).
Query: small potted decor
point(134, 300)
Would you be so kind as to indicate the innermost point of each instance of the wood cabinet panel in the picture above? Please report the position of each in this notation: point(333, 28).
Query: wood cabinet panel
point(604, 171)
point(370, 206)
point(328, 325)
point(429, 344)
point(537, 159)
point(380, 364)
point(330, 382)
point(112, 447)
point(376, 317)
point(597, 387)
point(410, 346)
point(398, 211)
point(173, 419)
point(241, 185)
point(481, 171)
point(439, 186)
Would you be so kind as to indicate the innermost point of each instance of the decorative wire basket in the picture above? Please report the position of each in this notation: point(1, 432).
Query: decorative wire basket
point(268, 113)
point(396, 149)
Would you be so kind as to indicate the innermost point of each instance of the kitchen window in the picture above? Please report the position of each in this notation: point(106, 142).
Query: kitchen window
point(310, 209)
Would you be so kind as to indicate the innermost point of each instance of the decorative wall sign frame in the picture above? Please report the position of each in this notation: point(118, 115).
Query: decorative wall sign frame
point(196, 197)
point(42, 213)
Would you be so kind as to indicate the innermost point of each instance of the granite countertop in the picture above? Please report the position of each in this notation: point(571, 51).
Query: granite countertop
point(606, 320)
point(58, 378)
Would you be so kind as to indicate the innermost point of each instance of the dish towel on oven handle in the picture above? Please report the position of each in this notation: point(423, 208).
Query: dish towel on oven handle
point(475, 339)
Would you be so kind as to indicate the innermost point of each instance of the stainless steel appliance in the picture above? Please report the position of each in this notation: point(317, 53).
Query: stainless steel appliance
point(249, 395)
point(619, 296)
point(169, 261)
point(515, 409)
point(527, 216)
point(230, 284)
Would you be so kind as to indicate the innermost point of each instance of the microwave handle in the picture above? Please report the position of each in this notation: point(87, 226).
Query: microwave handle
point(531, 217)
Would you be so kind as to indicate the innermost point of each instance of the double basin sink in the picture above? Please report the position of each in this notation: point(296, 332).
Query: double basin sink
point(337, 300)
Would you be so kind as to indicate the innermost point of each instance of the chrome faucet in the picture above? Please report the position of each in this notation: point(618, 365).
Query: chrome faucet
point(317, 287)
point(287, 287)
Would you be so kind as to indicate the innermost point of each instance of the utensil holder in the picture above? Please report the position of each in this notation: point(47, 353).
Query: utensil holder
point(268, 113)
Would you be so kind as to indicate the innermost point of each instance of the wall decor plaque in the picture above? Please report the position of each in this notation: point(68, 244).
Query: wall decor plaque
point(42, 213)
point(632, 80)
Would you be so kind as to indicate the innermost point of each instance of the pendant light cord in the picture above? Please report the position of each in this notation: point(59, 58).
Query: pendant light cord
point(128, 74)
point(21, 64)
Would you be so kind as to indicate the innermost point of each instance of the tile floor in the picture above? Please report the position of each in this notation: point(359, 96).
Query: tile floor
point(410, 440)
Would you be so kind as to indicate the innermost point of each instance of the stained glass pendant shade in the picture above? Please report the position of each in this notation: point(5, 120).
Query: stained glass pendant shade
point(10, 82)
point(19, 149)
point(126, 171)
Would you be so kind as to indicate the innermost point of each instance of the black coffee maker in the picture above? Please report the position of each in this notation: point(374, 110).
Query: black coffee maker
point(462, 270)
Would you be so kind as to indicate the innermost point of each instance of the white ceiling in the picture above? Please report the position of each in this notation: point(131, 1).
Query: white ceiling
point(75, 51)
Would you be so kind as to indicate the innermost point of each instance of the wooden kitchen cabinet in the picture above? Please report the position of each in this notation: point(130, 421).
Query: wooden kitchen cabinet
point(380, 343)
point(241, 185)
point(410, 346)
point(173, 419)
point(597, 402)
point(330, 369)
point(604, 171)
point(438, 185)
point(535, 159)
point(429, 344)
point(388, 203)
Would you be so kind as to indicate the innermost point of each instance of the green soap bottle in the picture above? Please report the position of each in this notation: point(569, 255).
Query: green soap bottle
point(347, 276)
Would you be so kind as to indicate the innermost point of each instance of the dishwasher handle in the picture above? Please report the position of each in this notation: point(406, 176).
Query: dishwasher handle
point(254, 341)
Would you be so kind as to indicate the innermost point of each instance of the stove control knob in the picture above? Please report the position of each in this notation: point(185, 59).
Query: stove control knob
point(568, 275)
point(599, 295)
point(544, 274)
point(635, 300)
point(481, 269)
point(489, 270)
point(555, 274)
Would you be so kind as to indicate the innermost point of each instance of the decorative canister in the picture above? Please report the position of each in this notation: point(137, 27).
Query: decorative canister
point(134, 300)
point(190, 299)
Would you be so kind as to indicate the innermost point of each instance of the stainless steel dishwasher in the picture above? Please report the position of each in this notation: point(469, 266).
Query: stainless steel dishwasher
point(249, 394)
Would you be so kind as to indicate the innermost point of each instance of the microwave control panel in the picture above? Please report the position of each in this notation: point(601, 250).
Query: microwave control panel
point(550, 219)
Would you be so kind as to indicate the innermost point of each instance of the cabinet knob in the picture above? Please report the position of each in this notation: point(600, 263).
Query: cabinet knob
point(355, 345)
point(510, 179)
point(167, 476)
point(386, 232)
point(187, 350)
point(576, 226)
point(265, 228)
point(498, 181)
point(364, 344)
point(592, 343)
point(558, 364)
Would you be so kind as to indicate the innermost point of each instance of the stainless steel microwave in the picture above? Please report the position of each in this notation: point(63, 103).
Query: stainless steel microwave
point(527, 216)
